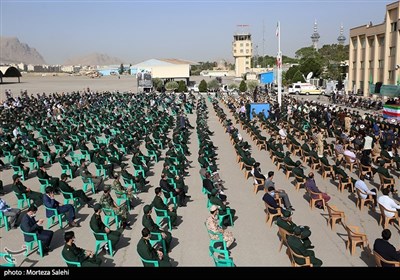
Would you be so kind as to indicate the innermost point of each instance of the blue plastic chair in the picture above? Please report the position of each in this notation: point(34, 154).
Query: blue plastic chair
point(29, 244)
point(88, 184)
point(69, 196)
point(22, 199)
point(153, 263)
point(220, 239)
point(104, 238)
point(71, 263)
point(9, 260)
point(110, 214)
point(44, 183)
point(161, 215)
point(52, 219)
point(221, 257)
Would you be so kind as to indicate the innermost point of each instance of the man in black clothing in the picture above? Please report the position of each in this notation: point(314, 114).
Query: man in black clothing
point(75, 193)
point(168, 189)
point(385, 249)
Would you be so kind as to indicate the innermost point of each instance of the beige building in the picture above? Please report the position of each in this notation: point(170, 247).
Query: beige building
point(374, 53)
point(242, 50)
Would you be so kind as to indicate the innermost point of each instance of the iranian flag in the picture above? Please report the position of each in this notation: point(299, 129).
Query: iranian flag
point(391, 112)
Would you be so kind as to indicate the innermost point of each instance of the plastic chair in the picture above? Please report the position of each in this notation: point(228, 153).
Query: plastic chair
point(110, 214)
point(71, 263)
point(88, 184)
point(44, 183)
point(152, 153)
point(56, 214)
point(158, 239)
point(8, 258)
point(362, 201)
point(46, 157)
point(354, 238)
point(379, 260)
point(227, 214)
point(104, 238)
point(22, 199)
point(220, 238)
point(66, 169)
point(270, 216)
point(18, 170)
point(335, 215)
point(314, 198)
point(225, 261)
point(100, 170)
point(161, 215)
point(69, 196)
point(257, 185)
point(139, 169)
point(29, 244)
point(282, 233)
point(129, 183)
point(385, 220)
point(4, 220)
point(293, 256)
point(33, 163)
point(171, 197)
point(153, 263)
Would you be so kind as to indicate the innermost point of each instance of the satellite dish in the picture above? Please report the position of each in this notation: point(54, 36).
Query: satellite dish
point(309, 75)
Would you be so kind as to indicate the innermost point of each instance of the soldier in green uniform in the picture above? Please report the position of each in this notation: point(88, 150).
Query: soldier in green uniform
point(97, 226)
point(73, 253)
point(296, 244)
point(159, 204)
point(19, 189)
point(147, 252)
point(75, 193)
point(287, 224)
point(147, 222)
point(121, 211)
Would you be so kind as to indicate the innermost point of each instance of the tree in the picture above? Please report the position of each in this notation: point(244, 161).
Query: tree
point(203, 86)
point(233, 86)
point(170, 86)
point(182, 86)
point(121, 69)
point(311, 65)
point(242, 86)
point(290, 73)
point(158, 84)
point(297, 77)
point(251, 85)
point(213, 84)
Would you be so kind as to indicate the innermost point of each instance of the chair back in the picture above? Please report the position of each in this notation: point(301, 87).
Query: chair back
point(293, 256)
point(379, 260)
point(149, 262)
point(70, 263)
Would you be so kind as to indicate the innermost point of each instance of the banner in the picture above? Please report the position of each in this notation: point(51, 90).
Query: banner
point(144, 78)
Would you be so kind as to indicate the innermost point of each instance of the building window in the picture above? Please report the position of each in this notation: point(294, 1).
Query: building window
point(247, 62)
point(391, 74)
point(370, 64)
point(362, 65)
point(247, 51)
point(354, 65)
point(371, 42)
point(354, 40)
point(234, 50)
point(241, 44)
point(362, 41)
point(392, 51)
point(380, 63)
point(393, 26)
point(241, 50)
point(247, 44)
point(381, 41)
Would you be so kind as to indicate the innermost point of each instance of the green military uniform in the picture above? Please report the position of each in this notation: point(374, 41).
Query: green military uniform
point(289, 226)
point(75, 193)
point(147, 222)
point(147, 252)
point(222, 207)
point(159, 204)
point(97, 225)
point(120, 190)
point(296, 244)
point(75, 254)
point(19, 189)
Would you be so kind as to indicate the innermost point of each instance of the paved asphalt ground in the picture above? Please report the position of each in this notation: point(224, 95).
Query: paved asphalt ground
point(257, 243)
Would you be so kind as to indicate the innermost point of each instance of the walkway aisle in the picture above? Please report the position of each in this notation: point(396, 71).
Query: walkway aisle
point(330, 247)
point(257, 245)
point(192, 247)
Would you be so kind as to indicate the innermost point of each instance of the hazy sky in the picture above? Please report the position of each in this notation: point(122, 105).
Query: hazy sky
point(195, 30)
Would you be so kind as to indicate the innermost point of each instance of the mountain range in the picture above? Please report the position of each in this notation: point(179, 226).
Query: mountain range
point(14, 51)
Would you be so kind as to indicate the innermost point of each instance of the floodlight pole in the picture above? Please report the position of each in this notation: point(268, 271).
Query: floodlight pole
point(279, 66)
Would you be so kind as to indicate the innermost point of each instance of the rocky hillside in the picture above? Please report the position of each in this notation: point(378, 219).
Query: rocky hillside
point(93, 59)
point(13, 51)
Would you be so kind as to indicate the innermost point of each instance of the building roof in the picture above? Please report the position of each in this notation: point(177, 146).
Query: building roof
point(163, 62)
point(9, 72)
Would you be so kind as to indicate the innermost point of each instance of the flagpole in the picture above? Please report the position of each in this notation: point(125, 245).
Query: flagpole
point(279, 66)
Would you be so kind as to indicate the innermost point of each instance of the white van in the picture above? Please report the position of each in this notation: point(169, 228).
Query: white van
point(305, 88)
